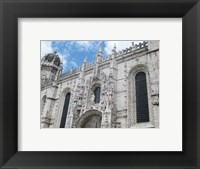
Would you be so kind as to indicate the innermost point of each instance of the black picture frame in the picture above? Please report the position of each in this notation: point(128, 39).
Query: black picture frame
point(11, 10)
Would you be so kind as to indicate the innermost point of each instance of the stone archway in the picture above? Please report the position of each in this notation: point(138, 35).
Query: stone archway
point(90, 119)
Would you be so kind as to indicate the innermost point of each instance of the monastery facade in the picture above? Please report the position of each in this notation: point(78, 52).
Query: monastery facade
point(120, 90)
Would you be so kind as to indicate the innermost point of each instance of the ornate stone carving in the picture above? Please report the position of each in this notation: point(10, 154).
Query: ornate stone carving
point(155, 99)
point(92, 99)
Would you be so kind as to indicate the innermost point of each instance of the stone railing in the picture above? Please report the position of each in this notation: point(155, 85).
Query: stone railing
point(90, 64)
point(132, 48)
point(71, 71)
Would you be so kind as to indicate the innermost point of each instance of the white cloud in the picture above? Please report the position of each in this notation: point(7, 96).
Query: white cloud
point(85, 45)
point(63, 58)
point(46, 48)
point(119, 44)
point(74, 64)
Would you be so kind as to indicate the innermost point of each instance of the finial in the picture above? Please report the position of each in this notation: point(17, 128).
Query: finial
point(55, 52)
point(100, 46)
point(114, 46)
point(85, 60)
point(114, 50)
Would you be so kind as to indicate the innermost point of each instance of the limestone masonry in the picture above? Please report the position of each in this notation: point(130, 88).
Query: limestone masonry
point(116, 91)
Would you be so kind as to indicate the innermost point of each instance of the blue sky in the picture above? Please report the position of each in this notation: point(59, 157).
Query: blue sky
point(72, 53)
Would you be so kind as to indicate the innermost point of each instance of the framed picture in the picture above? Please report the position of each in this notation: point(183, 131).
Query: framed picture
point(128, 68)
point(89, 82)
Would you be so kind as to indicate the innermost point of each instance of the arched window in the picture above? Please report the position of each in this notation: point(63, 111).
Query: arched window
point(142, 107)
point(43, 104)
point(97, 92)
point(65, 110)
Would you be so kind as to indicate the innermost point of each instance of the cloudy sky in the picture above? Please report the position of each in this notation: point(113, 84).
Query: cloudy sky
point(72, 53)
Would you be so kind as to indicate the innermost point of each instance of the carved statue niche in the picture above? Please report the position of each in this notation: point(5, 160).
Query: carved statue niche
point(92, 99)
point(73, 107)
point(103, 101)
point(107, 99)
point(102, 75)
point(81, 90)
point(85, 95)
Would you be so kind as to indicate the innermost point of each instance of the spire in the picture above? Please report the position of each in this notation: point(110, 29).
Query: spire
point(84, 63)
point(85, 60)
point(114, 51)
point(114, 48)
point(100, 47)
point(99, 53)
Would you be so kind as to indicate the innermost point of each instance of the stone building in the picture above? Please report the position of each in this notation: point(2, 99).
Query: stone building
point(116, 91)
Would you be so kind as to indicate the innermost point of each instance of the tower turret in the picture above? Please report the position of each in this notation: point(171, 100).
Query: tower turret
point(51, 66)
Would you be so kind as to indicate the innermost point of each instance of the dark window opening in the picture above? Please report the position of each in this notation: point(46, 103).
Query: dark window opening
point(97, 92)
point(142, 107)
point(65, 110)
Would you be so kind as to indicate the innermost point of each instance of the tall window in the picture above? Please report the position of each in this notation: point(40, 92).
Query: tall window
point(142, 107)
point(65, 110)
point(97, 95)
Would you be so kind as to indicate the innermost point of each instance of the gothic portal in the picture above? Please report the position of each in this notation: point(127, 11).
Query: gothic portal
point(90, 119)
point(93, 121)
